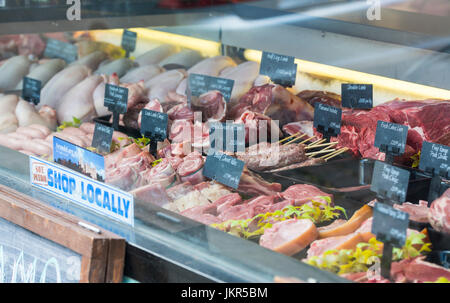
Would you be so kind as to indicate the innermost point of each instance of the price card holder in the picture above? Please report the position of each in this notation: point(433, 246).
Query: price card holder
point(435, 160)
point(129, 41)
point(59, 49)
point(227, 136)
point(102, 138)
point(116, 100)
point(154, 126)
point(327, 120)
point(389, 226)
point(357, 96)
point(31, 90)
point(280, 68)
point(199, 84)
point(390, 138)
point(223, 168)
point(390, 183)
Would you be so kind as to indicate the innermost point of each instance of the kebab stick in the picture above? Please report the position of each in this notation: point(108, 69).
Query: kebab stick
point(330, 154)
point(287, 138)
point(321, 145)
point(343, 150)
point(326, 150)
point(298, 138)
point(307, 140)
point(317, 142)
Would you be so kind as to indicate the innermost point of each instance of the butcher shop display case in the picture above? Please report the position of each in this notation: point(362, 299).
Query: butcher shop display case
point(235, 141)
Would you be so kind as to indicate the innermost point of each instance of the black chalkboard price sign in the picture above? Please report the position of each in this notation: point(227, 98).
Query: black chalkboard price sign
point(227, 136)
point(389, 226)
point(59, 49)
point(41, 244)
point(116, 100)
point(281, 69)
point(154, 126)
point(357, 95)
point(223, 168)
point(390, 138)
point(435, 160)
point(327, 119)
point(200, 84)
point(129, 41)
point(390, 182)
point(31, 90)
point(102, 138)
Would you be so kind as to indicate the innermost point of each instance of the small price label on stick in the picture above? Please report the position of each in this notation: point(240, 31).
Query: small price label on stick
point(327, 119)
point(31, 90)
point(102, 138)
point(223, 168)
point(154, 125)
point(390, 182)
point(116, 98)
point(389, 226)
point(59, 49)
point(281, 69)
point(199, 84)
point(390, 138)
point(129, 41)
point(435, 159)
point(227, 136)
point(357, 95)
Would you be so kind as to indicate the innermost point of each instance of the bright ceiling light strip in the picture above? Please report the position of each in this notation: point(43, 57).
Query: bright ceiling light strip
point(206, 47)
point(350, 76)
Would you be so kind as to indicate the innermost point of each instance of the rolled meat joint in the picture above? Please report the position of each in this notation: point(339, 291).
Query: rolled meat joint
point(144, 73)
point(61, 83)
point(8, 119)
point(210, 67)
point(119, 66)
point(26, 115)
point(258, 127)
point(45, 71)
point(290, 236)
point(13, 71)
point(439, 213)
point(186, 58)
point(92, 60)
point(155, 55)
point(244, 75)
point(160, 85)
point(212, 105)
point(275, 102)
point(78, 102)
point(99, 94)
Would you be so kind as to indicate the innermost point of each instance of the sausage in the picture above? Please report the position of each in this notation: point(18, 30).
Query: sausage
point(11, 142)
point(44, 129)
point(29, 131)
point(74, 131)
point(88, 127)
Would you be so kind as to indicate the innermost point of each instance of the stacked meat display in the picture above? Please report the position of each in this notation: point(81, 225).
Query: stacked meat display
point(299, 220)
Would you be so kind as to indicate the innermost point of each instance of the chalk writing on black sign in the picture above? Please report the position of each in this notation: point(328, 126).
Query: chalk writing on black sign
point(327, 119)
point(200, 84)
point(116, 98)
point(391, 137)
point(102, 138)
point(223, 168)
point(280, 68)
point(59, 49)
point(154, 124)
point(390, 182)
point(31, 90)
point(129, 40)
point(389, 224)
point(357, 95)
point(435, 158)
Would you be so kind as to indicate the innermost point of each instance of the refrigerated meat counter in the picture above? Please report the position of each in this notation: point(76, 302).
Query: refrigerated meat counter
point(176, 235)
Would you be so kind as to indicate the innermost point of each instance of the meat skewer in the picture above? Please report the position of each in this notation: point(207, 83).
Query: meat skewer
point(338, 152)
point(287, 138)
point(316, 143)
point(321, 145)
point(326, 150)
point(309, 139)
point(292, 141)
